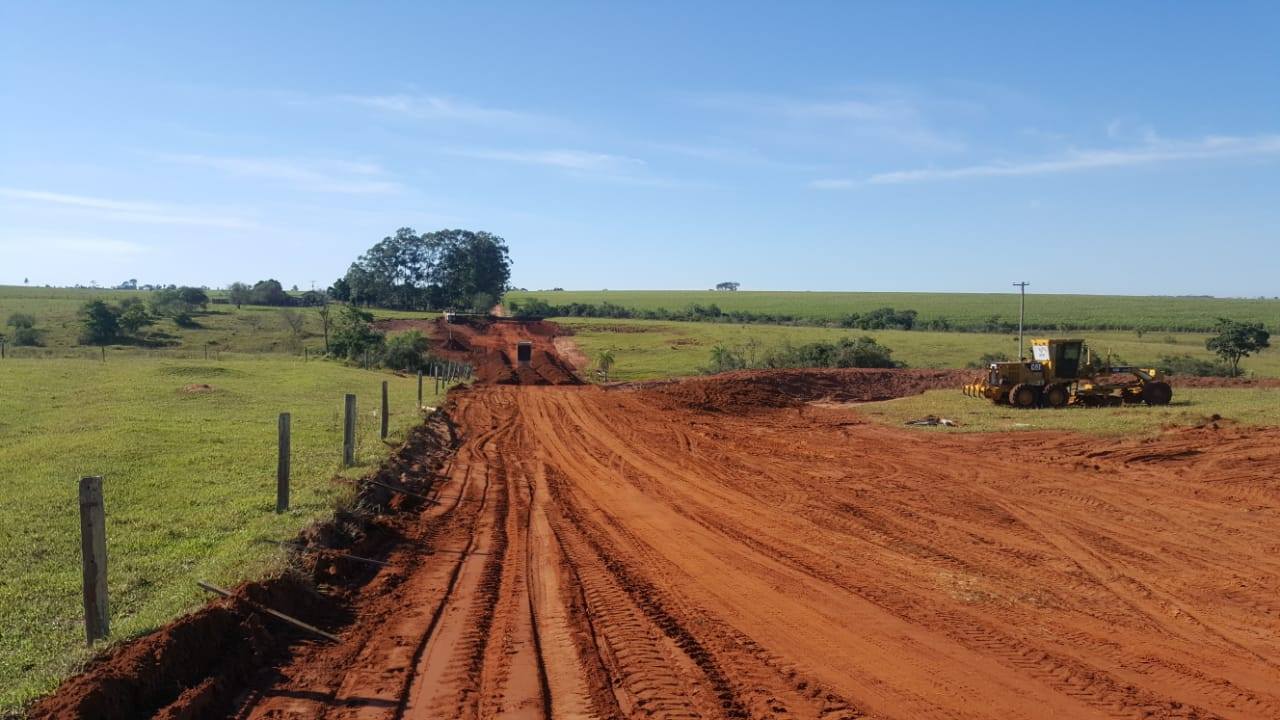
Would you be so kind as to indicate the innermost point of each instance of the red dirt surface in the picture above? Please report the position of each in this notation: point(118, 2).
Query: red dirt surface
point(656, 552)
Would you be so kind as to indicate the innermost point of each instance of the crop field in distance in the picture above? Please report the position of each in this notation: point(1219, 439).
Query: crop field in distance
point(962, 309)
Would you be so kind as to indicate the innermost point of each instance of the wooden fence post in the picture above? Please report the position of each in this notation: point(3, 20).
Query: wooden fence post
point(104, 353)
point(349, 432)
point(93, 552)
point(419, 387)
point(282, 465)
point(384, 409)
point(306, 354)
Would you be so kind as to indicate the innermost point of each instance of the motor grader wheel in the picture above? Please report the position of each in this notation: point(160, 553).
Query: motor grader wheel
point(1024, 396)
point(1157, 393)
point(1056, 396)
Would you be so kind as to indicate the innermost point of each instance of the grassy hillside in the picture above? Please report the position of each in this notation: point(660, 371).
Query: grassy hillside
point(652, 349)
point(961, 309)
point(250, 329)
point(189, 484)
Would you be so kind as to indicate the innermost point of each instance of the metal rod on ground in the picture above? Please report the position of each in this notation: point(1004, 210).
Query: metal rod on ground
point(402, 491)
point(273, 613)
point(348, 556)
point(93, 551)
point(384, 409)
point(282, 466)
point(349, 431)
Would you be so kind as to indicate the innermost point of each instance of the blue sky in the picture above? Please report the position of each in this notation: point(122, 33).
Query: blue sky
point(1093, 147)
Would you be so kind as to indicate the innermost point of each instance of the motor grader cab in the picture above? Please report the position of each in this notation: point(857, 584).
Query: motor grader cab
point(1064, 371)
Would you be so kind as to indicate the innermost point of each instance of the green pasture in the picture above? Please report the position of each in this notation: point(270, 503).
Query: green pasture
point(646, 349)
point(189, 485)
point(1155, 313)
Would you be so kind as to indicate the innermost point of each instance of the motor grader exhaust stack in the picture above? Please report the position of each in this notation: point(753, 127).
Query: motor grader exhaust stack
point(1064, 372)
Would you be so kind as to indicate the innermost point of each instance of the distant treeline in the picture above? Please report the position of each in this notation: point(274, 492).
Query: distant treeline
point(885, 318)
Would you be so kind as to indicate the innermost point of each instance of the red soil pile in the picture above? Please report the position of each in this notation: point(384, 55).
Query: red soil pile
point(748, 390)
point(490, 348)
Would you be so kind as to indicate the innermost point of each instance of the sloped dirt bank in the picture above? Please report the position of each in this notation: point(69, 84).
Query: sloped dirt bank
point(200, 665)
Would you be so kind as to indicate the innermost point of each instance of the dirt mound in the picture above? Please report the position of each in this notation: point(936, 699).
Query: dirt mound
point(197, 389)
point(1193, 381)
point(397, 325)
point(489, 345)
point(754, 389)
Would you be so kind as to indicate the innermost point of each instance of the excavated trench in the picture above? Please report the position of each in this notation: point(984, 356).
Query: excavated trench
point(724, 548)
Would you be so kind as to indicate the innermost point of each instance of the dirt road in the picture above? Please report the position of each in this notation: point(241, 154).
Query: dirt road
point(605, 554)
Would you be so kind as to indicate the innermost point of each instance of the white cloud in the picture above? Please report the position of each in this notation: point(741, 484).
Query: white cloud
point(883, 117)
point(129, 211)
point(565, 159)
point(1157, 151)
point(436, 107)
point(330, 176)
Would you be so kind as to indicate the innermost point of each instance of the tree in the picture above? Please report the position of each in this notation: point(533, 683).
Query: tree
point(296, 323)
point(324, 310)
point(99, 323)
point(340, 290)
point(729, 286)
point(194, 297)
point(269, 292)
point(353, 334)
point(24, 329)
point(239, 294)
point(1237, 340)
point(178, 303)
point(21, 320)
point(604, 362)
point(447, 268)
point(406, 352)
point(133, 316)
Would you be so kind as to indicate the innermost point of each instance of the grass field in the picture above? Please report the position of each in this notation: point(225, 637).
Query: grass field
point(223, 328)
point(1190, 406)
point(1095, 311)
point(646, 349)
point(189, 486)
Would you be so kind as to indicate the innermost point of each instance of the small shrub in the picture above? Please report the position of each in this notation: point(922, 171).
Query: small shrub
point(406, 352)
point(22, 320)
point(1187, 365)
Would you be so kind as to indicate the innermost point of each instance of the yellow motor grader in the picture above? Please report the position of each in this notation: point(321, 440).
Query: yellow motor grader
point(1064, 372)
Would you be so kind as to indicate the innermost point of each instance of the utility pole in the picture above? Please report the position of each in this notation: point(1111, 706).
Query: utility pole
point(1022, 314)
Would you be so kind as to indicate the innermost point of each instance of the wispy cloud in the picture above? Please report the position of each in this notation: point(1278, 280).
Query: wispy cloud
point(328, 176)
point(129, 211)
point(436, 107)
point(565, 159)
point(1154, 152)
point(895, 118)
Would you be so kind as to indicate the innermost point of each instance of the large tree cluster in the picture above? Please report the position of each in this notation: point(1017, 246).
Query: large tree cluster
point(458, 269)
